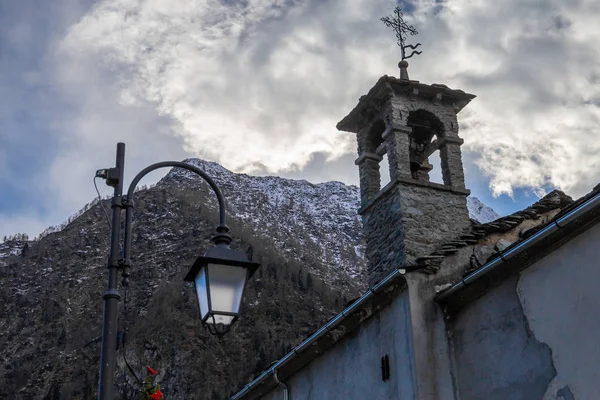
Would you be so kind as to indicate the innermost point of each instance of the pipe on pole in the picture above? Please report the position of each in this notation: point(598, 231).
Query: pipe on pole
point(111, 296)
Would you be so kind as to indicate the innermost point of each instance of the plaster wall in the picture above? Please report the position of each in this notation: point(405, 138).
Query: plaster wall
point(496, 357)
point(535, 336)
point(560, 297)
point(352, 368)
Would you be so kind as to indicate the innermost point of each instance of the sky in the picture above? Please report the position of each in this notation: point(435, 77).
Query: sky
point(259, 85)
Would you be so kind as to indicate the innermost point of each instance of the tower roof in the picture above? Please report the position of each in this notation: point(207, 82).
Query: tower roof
point(388, 85)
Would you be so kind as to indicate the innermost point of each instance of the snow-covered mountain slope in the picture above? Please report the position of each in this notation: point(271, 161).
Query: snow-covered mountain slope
point(479, 211)
point(322, 218)
point(317, 218)
point(10, 248)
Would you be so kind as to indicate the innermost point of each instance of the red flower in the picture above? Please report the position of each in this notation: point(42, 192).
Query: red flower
point(157, 395)
point(151, 371)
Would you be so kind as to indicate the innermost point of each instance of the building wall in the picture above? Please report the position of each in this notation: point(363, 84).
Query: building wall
point(352, 368)
point(561, 297)
point(536, 335)
point(496, 356)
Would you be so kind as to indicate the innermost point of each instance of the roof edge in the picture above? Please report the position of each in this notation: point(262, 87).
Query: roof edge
point(569, 224)
point(378, 289)
point(386, 85)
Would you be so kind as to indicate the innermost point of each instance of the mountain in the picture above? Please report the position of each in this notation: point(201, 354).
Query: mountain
point(299, 217)
point(307, 238)
point(480, 212)
point(322, 217)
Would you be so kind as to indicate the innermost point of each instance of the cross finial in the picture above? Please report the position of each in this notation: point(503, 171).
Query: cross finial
point(401, 28)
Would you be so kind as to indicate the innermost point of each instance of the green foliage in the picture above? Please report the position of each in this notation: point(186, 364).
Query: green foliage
point(151, 390)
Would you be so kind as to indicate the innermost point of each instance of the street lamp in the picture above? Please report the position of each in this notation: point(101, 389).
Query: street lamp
point(220, 278)
point(220, 275)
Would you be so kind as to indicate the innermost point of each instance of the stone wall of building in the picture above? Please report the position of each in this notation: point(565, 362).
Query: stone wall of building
point(432, 214)
point(384, 235)
point(406, 220)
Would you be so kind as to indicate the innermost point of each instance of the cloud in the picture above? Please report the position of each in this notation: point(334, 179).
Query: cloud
point(259, 85)
point(247, 86)
point(534, 67)
point(60, 120)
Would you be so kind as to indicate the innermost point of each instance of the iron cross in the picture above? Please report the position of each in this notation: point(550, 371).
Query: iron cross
point(402, 28)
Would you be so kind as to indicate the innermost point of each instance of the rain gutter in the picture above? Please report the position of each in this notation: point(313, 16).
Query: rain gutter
point(335, 321)
point(510, 253)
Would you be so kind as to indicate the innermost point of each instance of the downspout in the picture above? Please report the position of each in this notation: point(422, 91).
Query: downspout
point(285, 388)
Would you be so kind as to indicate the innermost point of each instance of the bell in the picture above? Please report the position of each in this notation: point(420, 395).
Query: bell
point(414, 167)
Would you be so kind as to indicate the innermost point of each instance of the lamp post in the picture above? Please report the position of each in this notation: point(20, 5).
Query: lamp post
point(220, 275)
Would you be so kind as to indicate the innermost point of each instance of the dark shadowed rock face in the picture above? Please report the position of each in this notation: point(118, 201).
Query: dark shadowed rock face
point(306, 237)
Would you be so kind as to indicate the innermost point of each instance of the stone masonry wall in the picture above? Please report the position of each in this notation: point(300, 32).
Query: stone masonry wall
point(402, 106)
point(430, 217)
point(407, 221)
point(370, 178)
point(452, 166)
point(384, 236)
point(397, 138)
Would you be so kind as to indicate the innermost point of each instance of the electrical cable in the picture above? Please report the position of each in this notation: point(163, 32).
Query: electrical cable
point(125, 338)
point(102, 205)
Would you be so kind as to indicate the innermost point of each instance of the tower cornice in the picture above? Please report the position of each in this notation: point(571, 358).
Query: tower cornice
point(388, 86)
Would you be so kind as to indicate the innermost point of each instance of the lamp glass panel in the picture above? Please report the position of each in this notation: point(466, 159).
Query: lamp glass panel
point(202, 292)
point(220, 319)
point(226, 287)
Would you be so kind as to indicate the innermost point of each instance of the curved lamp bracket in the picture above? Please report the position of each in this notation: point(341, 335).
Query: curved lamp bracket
point(222, 236)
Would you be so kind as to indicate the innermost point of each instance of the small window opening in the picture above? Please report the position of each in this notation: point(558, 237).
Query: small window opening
point(385, 368)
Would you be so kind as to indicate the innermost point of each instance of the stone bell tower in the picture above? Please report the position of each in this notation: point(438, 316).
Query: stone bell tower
point(410, 216)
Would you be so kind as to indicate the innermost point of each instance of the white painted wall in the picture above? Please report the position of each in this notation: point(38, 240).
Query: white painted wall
point(352, 368)
point(560, 295)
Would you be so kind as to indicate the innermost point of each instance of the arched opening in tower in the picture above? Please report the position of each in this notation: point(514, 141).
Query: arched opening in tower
point(425, 139)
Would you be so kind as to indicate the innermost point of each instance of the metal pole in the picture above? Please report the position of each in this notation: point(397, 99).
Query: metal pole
point(111, 295)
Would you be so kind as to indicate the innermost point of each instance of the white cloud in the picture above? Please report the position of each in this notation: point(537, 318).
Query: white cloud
point(247, 86)
point(260, 85)
point(534, 67)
